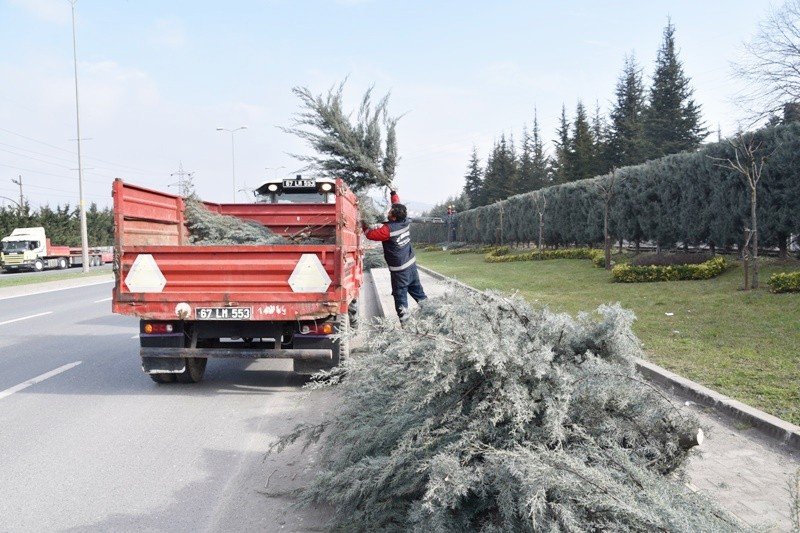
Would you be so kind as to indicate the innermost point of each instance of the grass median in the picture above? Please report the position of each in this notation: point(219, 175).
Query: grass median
point(742, 344)
point(16, 279)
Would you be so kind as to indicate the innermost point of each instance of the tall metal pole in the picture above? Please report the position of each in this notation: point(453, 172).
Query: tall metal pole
point(81, 203)
point(21, 197)
point(233, 156)
point(233, 167)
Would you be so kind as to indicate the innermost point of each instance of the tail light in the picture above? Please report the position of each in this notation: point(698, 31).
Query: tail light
point(158, 328)
point(321, 328)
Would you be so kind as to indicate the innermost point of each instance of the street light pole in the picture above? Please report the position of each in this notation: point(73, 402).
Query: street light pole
point(233, 156)
point(81, 203)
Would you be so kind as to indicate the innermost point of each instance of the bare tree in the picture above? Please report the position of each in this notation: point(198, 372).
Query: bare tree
point(748, 161)
point(607, 190)
point(540, 204)
point(771, 63)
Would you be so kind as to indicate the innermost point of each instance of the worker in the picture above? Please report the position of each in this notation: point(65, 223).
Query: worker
point(396, 238)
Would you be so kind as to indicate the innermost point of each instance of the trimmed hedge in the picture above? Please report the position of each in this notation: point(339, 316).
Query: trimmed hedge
point(636, 274)
point(784, 282)
point(682, 198)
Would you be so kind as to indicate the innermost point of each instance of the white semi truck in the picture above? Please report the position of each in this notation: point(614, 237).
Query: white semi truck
point(30, 249)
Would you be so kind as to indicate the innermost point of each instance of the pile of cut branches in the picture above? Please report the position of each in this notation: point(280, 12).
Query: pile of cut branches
point(483, 414)
point(207, 228)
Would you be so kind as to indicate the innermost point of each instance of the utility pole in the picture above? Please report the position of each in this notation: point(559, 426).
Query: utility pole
point(185, 185)
point(81, 203)
point(21, 197)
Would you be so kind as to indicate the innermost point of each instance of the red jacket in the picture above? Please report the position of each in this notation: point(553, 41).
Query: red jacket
point(382, 233)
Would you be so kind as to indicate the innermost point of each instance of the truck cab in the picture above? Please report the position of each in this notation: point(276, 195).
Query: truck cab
point(297, 190)
point(25, 248)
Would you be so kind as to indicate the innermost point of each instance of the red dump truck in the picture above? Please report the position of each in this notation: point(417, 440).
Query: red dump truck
point(294, 301)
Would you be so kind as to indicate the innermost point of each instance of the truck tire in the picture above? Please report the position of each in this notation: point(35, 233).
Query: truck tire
point(162, 378)
point(62, 264)
point(38, 265)
point(354, 313)
point(340, 350)
point(195, 368)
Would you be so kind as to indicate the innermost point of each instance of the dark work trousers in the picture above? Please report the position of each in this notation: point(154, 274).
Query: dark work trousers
point(406, 282)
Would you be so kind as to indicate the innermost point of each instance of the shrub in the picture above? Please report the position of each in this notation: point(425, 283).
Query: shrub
point(678, 258)
point(784, 282)
point(541, 255)
point(635, 274)
point(598, 258)
point(473, 250)
point(483, 414)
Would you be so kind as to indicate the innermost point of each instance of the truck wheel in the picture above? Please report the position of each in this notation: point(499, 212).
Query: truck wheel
point(353, 313)
point(62, 263)
point(195, 368)
point(38, 265)
point(341, 348)
point(162, 378)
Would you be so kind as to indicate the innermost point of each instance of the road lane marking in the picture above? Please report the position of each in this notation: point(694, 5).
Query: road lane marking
point(103, 300)
point(135, 336)
point(56, 290)
point(37, 379)
point(24, 318)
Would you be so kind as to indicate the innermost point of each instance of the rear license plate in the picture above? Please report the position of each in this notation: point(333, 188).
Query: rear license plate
point(224, 313)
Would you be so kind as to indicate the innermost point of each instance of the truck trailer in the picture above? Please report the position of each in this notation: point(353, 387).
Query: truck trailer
point(199, 302)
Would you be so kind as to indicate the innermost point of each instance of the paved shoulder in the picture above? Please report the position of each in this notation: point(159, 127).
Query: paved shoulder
point(52, 286)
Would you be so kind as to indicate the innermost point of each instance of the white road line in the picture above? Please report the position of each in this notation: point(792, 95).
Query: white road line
point(25, 318)
point(103, 300)
point(135, 336)
point(56, 290)
point(37, 379)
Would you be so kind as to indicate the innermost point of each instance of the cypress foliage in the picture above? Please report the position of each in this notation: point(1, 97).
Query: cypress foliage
point(672, 120)
point(560, 164)
point(473, 181)
point(580, 155)
point(483, 414)
point(539, 161)
point(502, 174)
point(682, 198)
point(626, 145)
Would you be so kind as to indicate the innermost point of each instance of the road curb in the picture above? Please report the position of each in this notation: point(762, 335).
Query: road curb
point(772, 426)
point(376, 296)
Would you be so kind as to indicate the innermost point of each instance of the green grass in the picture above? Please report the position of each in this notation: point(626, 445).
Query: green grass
point(742, 344)
point(13, 280)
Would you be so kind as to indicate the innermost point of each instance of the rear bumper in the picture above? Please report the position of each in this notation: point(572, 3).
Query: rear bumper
point(304, 354)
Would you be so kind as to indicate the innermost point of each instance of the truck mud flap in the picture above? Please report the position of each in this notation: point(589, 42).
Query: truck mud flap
point(177, 354)
point(160, 365)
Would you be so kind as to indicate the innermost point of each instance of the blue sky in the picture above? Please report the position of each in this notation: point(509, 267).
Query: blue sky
point(157, 78)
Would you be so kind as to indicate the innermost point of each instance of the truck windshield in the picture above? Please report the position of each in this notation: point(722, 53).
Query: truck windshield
point(16, 246)
point(298, 198)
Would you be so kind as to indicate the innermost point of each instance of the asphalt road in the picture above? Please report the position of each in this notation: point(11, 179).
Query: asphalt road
point(88, 442)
